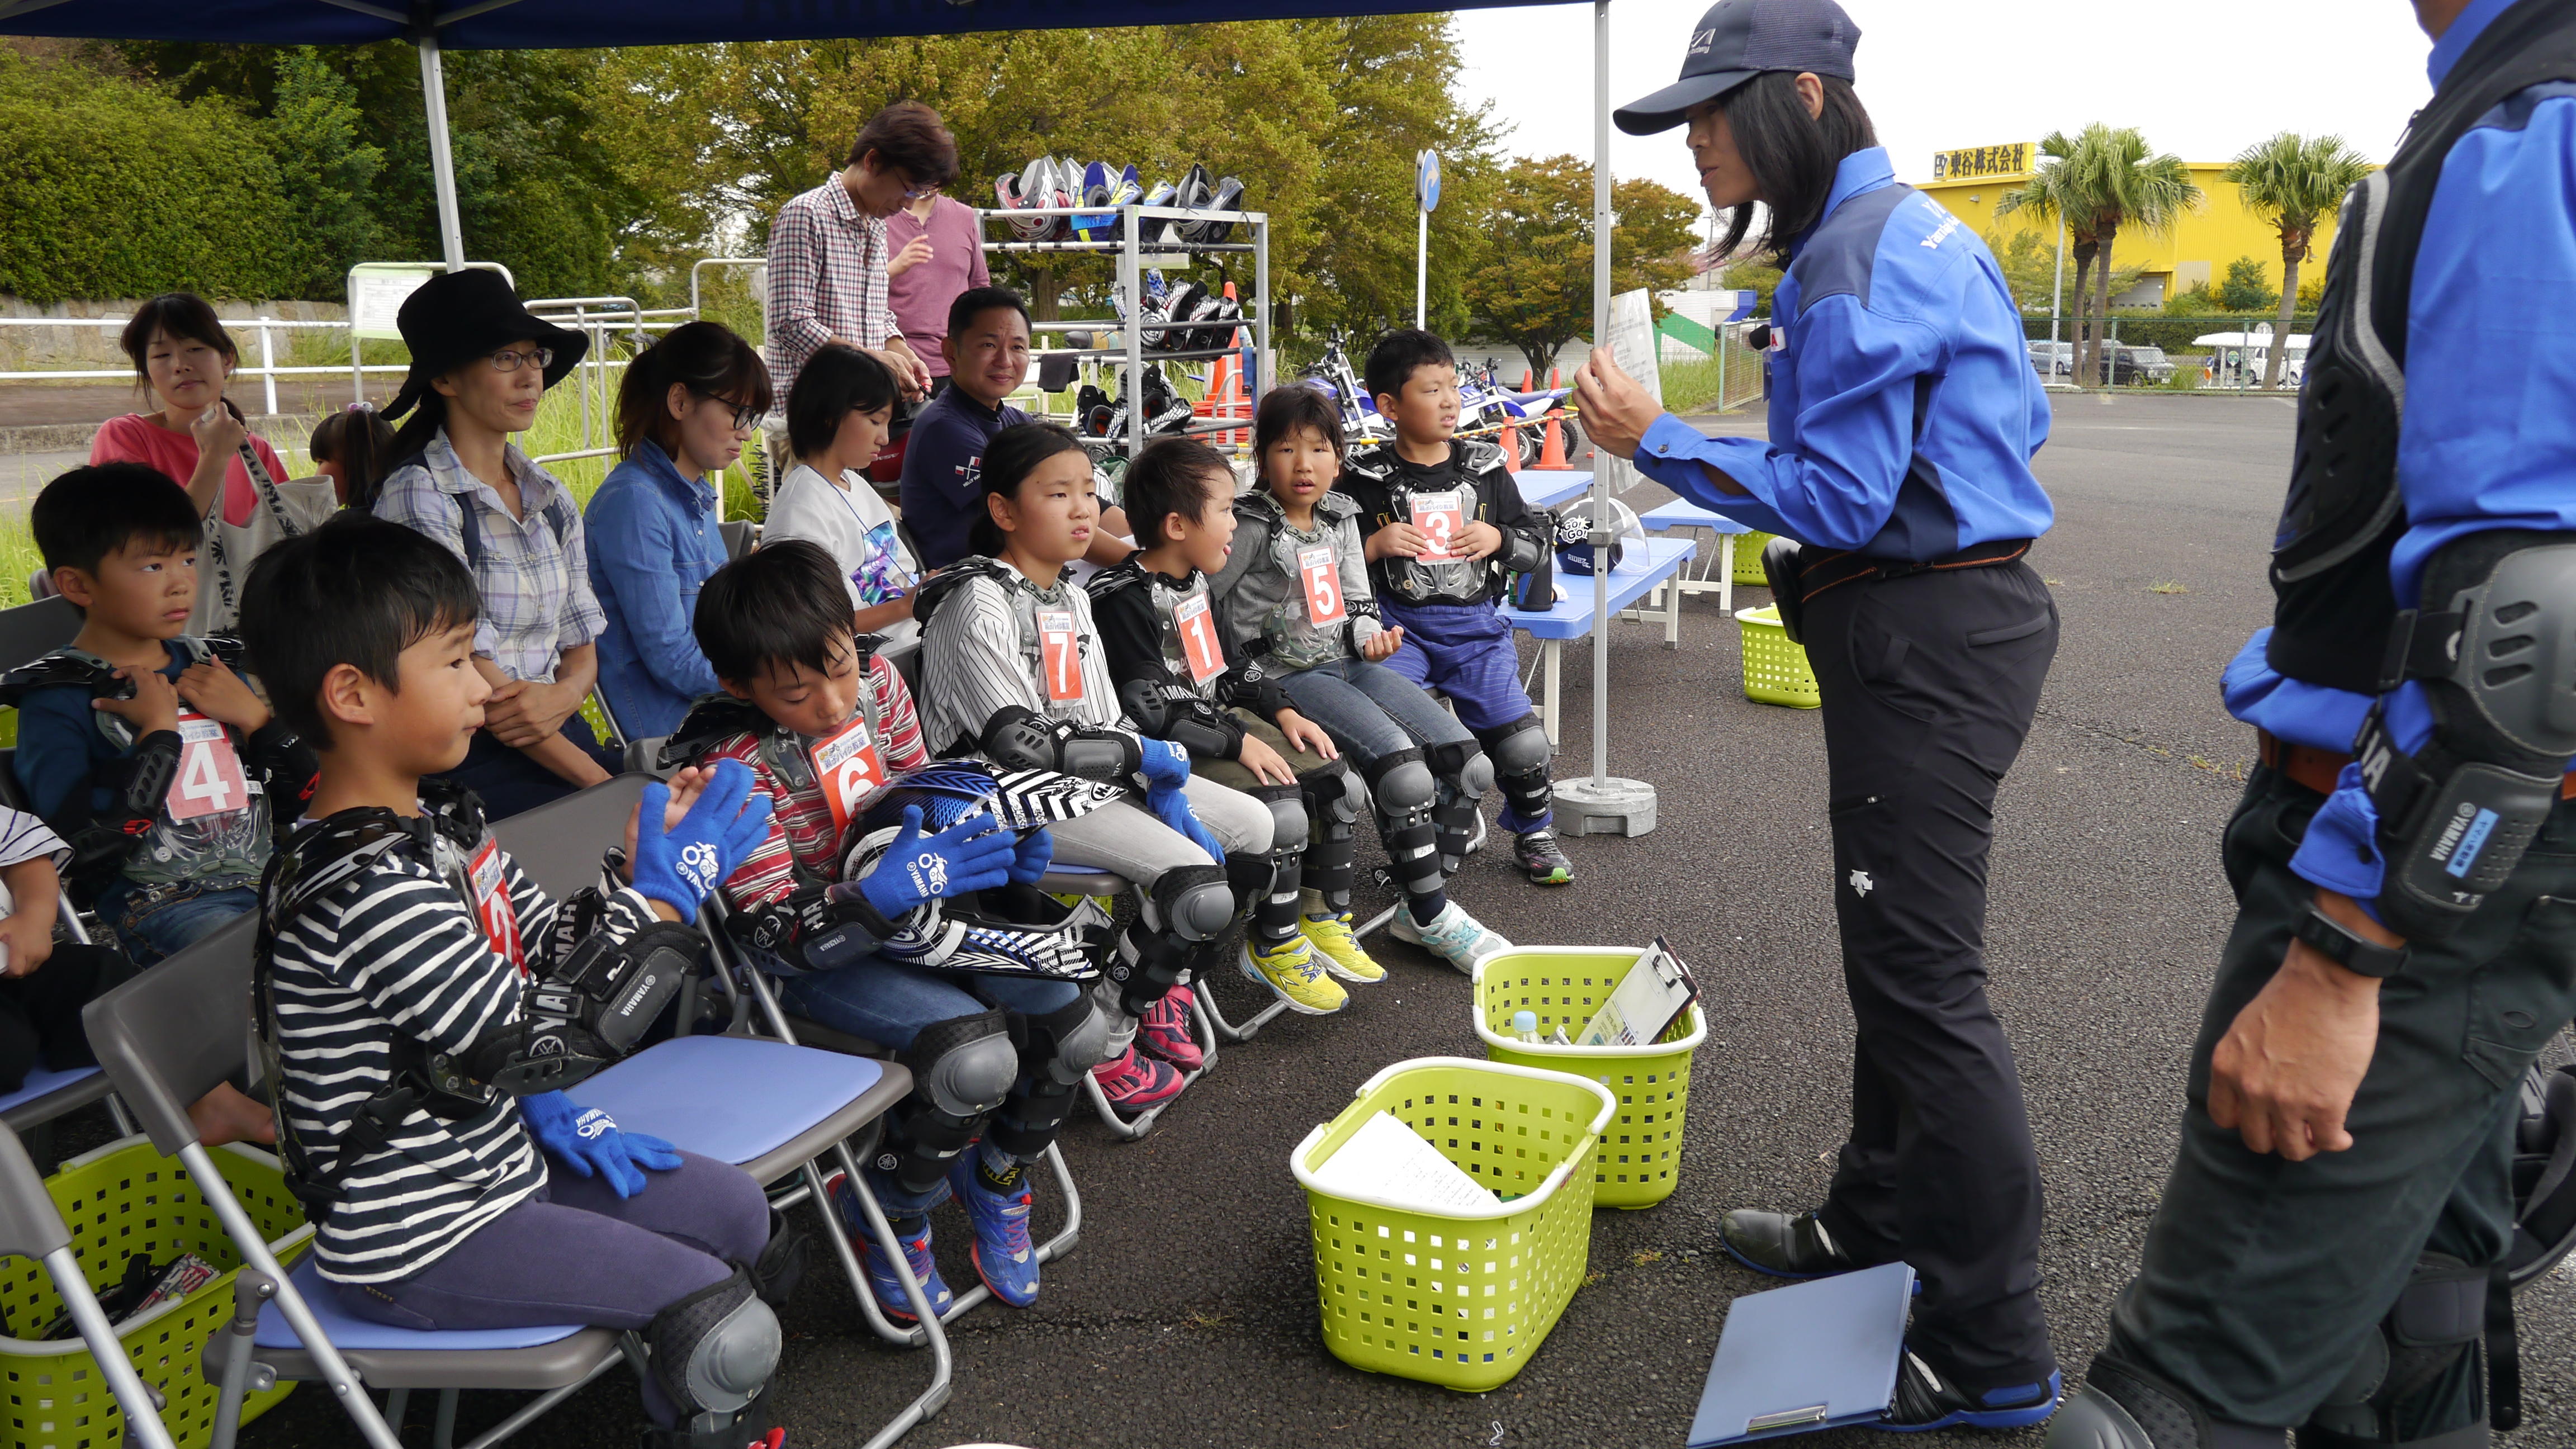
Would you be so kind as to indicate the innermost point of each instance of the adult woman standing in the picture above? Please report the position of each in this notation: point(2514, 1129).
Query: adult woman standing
point(687, 404)
point(938, 251)
point(1903, 418)
point(197, 440)
point(479, 365)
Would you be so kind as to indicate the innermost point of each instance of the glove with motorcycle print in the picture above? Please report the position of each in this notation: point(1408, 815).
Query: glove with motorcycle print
point(971, 855)
point(681, 864)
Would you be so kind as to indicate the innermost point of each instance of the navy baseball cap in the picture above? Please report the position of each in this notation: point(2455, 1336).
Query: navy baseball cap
point(1738, 40)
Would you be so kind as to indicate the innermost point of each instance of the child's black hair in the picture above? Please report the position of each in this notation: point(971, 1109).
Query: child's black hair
point(1399, 354)
point(1173, 475)
point(1014, 453)
point(976, 301)
point(182, 315)
point(356, 591)
point(1287, 409)
point(709, 360)
point(89, 513)
point(362, 443)
point(783, 603)
point(836, 382)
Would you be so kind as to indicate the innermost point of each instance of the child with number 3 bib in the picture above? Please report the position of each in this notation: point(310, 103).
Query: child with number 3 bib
point(1295, 603)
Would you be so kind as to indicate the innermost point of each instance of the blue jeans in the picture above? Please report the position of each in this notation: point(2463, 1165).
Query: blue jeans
point(153, 922)
point(1370, 710)
point(889, 1002)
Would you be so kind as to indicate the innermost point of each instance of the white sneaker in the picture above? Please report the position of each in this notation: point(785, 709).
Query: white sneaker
point(1453, 936)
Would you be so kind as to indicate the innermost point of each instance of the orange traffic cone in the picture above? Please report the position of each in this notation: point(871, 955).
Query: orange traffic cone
point(1551, 456)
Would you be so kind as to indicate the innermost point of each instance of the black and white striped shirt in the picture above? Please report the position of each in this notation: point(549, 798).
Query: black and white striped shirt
point(974, 662)
point(396, 948)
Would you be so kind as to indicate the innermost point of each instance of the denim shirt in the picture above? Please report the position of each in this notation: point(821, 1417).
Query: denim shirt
point(653, 542)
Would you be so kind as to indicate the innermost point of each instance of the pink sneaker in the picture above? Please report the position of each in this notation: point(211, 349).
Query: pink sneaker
point(1164, 1030)
point(1135, 1082)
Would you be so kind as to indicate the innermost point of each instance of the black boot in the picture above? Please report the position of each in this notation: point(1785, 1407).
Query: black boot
point(1784, 1246)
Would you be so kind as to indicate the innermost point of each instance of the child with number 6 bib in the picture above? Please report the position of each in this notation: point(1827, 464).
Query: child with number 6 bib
point(1294, 601)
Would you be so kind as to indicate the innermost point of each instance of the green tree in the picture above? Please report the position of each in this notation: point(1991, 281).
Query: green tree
point(2246, 289)
point(2291, 180)
point(1756, 276)
point(326, 172)
point(2135, 187)
point(2057, 192)
point(1536, 291)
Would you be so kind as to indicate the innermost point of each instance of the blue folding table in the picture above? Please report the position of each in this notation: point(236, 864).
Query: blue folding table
point(1571, 618)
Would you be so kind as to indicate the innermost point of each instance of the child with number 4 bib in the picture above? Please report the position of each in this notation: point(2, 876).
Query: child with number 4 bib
point(1295, 603)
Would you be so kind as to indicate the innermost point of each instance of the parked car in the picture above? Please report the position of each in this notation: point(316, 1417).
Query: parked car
point(2052, 359)
point(2138, 366)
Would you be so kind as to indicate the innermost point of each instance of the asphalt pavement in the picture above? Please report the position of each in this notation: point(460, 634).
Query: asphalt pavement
point(1188, 1316)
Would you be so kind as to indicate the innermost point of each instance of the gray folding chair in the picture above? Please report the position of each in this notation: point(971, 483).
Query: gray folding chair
point(741, 536)
point(32, 1227)
point(29, 632)
point(1070, 879)
point(47, 1094)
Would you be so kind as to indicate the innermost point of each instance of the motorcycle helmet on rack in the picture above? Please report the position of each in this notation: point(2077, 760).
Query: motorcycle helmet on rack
point(1009, 930)
point(1019, 193)
point(1181, 306)
point(1226, 196)
point(1151, 231)
point(1574, 536)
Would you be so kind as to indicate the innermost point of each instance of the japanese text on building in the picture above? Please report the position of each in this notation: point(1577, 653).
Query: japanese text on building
point(1976, 161)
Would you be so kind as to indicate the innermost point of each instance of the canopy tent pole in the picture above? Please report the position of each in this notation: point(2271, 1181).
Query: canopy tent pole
point(442, 165)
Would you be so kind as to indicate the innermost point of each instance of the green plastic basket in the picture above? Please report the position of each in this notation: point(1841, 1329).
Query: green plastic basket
point(1775, 670)
point(1566, 985)
point(126, 1198)
point(1452, 1299)
point(1748, 558)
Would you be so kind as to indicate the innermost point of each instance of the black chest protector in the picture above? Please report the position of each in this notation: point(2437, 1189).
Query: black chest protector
point(2333, 602)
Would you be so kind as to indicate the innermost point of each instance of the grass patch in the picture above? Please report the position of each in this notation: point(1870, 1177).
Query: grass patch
point(1641, 1259)
point(2168, 586)
point(1694, 385)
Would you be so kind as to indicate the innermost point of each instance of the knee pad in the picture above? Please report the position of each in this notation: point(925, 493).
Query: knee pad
point(1181, 918)
point(1464, 764)
point(1335, 798)
point(1248, 877)
point(2413, 1361)
point(781, 1264)
point(1402, 784)
point(1059, 1048)
point(1519, 748)
point(1405, 790)
point(2124, 1407)
point(961, 1069)
point(713, 1350)
point(1289, 826)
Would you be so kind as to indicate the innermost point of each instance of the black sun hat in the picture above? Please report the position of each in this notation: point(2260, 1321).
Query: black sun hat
point(1740, 39)
point(455, 317)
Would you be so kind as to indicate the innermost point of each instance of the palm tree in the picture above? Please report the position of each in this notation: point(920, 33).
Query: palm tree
point(2129, 186)
point(2289, 181)
point(2054, 195)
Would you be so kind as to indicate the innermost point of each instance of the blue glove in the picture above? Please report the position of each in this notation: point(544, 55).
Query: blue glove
point(971, 855)
point(680, 866)
point(588, 1142)
point(1173, 808)
point(1030, 859)
point(1167, 765)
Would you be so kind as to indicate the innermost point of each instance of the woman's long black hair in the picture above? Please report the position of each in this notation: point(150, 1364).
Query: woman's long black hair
point(1791, 154)
point(1014, 453)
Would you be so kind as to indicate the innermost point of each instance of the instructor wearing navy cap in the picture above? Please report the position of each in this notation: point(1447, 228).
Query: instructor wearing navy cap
point(1904, 414)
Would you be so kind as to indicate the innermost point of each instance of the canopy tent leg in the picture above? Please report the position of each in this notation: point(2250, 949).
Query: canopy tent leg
point(442, 164)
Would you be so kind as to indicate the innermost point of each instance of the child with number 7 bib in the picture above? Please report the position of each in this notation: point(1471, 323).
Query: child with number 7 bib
point(1294, 601)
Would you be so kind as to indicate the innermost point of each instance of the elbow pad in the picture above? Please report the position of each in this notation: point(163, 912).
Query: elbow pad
point(1019, 738)
point(587, 1012)
point(814, 928)
point(286, 765)
point(2497, 666)
point(1182, 718)
point(148, 773)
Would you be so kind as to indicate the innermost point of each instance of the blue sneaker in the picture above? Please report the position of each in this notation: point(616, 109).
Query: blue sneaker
point(1925, 1400)
point(1004, 1256)
point(882, 1281)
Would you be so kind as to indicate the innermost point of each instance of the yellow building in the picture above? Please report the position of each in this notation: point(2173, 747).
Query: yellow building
point(2196, 251)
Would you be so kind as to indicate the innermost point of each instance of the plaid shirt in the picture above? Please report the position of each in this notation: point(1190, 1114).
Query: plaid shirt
point(533, 577)
point(827, 280)
point(800, 820)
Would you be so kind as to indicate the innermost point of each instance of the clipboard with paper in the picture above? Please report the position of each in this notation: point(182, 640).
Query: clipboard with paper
point(1811, 1356)
point(1648, 1000)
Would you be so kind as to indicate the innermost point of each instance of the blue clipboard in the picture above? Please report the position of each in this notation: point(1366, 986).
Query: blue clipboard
point(1810, 1356)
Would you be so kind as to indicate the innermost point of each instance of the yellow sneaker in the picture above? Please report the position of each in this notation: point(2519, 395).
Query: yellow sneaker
point(1338, 948)
point(1291, 971)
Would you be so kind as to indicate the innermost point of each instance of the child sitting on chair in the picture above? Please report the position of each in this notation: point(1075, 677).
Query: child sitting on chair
point(1294, 602)
point(822, 720)
point(1012, 670)
point(44, 983)
point(421, 1001)
point(1161, 634)
point(1445, 529)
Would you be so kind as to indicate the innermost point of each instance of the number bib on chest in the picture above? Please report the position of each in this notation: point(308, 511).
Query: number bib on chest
point(1440, 516)
point(1323, 580)
point(847, 766)
point(500, 920)
point(1059, 656)
point(1198, 638)
point(210, 780)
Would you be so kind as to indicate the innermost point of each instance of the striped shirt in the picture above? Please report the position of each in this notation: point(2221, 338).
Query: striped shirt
point(975, 663)
point(801, 833)
point(24, 837)
point(827, 280)
point(531, 571)
point(395, 948)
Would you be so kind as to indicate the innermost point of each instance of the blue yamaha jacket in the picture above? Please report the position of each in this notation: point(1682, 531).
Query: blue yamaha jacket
point(1904, 410)
point(2490, 426)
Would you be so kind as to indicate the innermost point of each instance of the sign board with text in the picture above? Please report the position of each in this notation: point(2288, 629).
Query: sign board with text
point(1977, 163)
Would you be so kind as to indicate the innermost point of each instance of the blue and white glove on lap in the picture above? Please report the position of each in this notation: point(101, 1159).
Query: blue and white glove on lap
point(1167, 765)
point(681, 865)
point(587, 1142)
point(971, 855)
point(1172, 807)
point(1030, 858)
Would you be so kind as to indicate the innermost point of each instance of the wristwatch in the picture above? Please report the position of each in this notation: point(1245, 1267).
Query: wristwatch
point(2340, 944)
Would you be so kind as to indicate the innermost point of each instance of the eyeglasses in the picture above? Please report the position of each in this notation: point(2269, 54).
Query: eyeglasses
point(743, 417)
point(918, 192)
point(507, 360)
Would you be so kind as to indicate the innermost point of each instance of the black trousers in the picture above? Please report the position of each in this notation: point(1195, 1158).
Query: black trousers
point(2264, 1279)
point(1929, 685)
point(509, 782)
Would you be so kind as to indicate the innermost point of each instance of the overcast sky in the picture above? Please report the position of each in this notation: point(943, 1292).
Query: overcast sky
point(2196, 75)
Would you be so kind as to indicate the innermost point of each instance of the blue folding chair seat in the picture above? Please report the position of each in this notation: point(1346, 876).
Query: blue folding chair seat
point(353, 1336)
point(47, 1094)
point(794, 1103)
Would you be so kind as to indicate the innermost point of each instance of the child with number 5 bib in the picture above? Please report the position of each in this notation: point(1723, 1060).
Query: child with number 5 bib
point(1295, 603)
